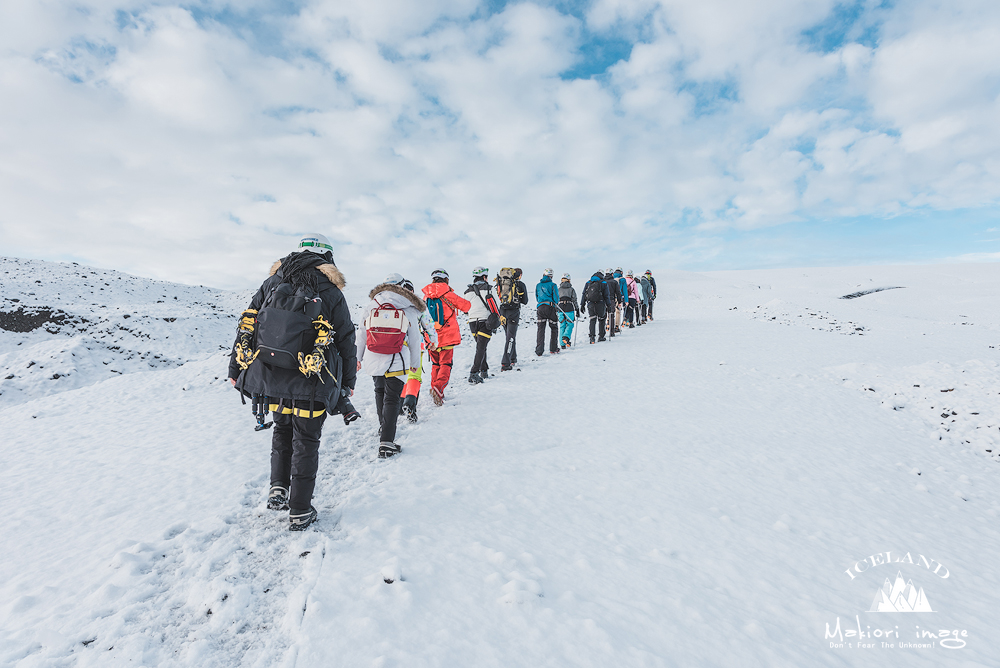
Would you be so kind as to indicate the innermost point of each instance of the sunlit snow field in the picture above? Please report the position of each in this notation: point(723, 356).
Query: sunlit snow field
point(720, 487)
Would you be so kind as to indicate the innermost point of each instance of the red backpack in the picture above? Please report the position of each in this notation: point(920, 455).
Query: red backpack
point(386, 327)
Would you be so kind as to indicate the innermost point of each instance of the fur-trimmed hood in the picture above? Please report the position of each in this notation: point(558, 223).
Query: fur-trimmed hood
point(417, 302)
point(328, 270)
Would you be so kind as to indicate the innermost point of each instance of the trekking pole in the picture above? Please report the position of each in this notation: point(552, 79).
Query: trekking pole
point(259, 406)
point(576, 327)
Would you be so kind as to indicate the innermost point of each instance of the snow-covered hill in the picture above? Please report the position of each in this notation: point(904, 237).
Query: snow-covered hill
point(65, 326)
point(729, 485)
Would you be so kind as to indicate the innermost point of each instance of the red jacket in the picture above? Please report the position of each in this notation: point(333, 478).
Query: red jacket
point(449, 335)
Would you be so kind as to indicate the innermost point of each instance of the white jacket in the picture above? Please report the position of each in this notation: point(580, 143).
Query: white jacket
point(379, 364)
point(478, 311)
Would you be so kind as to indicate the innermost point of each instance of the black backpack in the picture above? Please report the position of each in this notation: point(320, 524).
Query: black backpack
point(285, 325)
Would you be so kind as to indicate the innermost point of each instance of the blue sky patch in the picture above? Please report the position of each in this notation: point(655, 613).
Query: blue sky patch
point(848, 22)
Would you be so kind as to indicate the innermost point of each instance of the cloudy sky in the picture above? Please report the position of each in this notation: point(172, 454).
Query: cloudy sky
point(195, 141)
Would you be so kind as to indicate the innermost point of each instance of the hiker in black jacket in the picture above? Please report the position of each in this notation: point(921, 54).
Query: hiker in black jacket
point(512, 294)
point(299, 402)
point(597, 301)
point(615, 294)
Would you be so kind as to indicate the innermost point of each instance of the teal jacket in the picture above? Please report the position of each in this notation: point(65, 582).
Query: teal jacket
point(546, 292)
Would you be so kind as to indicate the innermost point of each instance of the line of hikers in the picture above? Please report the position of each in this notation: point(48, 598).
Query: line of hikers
point(297, 354)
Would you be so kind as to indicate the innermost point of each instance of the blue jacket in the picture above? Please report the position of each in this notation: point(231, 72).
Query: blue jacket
point(546, 292)
point(623, 284)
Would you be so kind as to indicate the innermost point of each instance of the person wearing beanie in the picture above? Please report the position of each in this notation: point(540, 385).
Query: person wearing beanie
point(301, 397)
point(547, 298)
point(484, 319)
point(568, 311)
point(443, 305)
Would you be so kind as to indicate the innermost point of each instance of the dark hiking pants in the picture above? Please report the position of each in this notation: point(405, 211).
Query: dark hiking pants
point(295, 455)
point(598, 314)
point(481, 336)
point(513, 318)
point(547, 316)
point(387, 391)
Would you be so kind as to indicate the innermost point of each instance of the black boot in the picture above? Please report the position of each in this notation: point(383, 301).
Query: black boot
point(300, 519)
point(387, 449)
point(409, 407)
point(277, 498)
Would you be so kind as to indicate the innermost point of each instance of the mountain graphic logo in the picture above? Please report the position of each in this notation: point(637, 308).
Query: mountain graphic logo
point(900, 596)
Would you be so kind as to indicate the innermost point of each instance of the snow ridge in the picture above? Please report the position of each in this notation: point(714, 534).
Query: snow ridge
point(67, 326)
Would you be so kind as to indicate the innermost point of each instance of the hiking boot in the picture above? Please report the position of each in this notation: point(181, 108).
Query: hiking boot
point(554, 352)
point(437, 396)
point(410, 412)
point(277, 498)
point(506, 367)
point(475, 378)
point(300, 519)
point(387, 449)
point(484, 374)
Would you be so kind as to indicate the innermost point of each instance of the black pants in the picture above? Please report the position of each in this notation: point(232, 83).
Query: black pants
point(547, 315)
point(387, 391)
point(482, 337)
point(598, 313)
point(645, 307)
point(295, 455)
point(513, 318)
point(631, 312)
point(649, 309)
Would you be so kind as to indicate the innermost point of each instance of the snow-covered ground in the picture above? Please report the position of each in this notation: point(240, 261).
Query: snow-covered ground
point(721, 487)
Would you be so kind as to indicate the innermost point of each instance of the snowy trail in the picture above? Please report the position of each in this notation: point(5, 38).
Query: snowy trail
point(690, 494)
point(706, 521)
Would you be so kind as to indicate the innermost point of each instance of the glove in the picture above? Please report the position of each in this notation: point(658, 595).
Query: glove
point(503, 320)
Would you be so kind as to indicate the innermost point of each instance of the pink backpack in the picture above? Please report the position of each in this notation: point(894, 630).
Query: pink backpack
point(386, 328)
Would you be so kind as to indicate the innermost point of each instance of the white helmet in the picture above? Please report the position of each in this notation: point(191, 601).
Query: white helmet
point(315, 243)
point(395, 279)
point(566, 277)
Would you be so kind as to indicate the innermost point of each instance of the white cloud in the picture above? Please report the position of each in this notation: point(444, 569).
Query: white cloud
point(420, 134)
